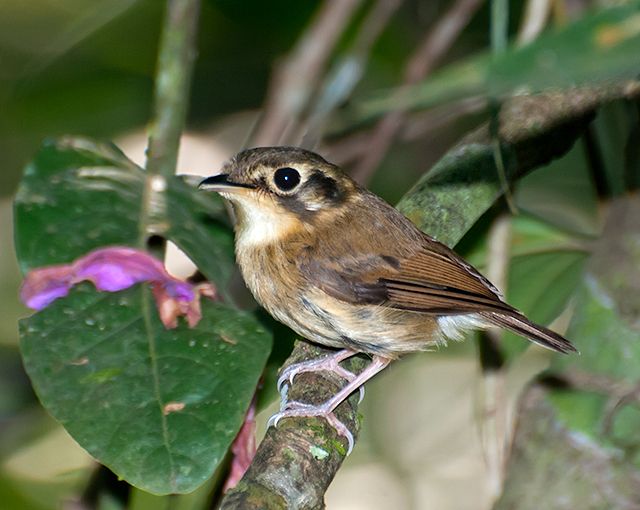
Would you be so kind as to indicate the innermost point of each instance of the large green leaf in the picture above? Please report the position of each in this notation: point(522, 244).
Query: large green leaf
point(103, 364)
point(540, 285)
point(563, 194)
point(160, 407)
point(599, 47)
point(83, 194)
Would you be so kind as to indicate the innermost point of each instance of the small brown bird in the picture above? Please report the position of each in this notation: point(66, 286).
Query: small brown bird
point(343, 268)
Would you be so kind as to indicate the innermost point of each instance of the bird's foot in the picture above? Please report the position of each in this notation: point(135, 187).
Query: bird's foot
point(301, 410)
point(329, 363)
point(325, 410)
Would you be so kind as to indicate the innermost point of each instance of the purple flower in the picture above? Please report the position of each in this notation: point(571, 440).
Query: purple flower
point(113, 269)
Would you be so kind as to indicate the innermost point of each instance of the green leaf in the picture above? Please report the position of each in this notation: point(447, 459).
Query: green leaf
point(455, 193)
point(606, 330)
point(83, 194)
point(78, 195)
point(530, 236)
point(599, 47)
point(196, 225)
point(159, 407)
point(612, 126)
point(562, 193)
point(541, 285)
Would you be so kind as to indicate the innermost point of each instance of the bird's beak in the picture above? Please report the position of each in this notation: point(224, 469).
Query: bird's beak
point(221, 182)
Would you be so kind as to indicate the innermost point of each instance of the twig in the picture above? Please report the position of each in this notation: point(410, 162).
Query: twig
point(601, 384)
point(619, 392)
point(294, 80)
point(492, 401)
point(499, 26)
point(499, 40)
point(534, 130)
point(420, 64)
point(173, 77)
point(534, 20)
point(347, 149)
point(347, 72)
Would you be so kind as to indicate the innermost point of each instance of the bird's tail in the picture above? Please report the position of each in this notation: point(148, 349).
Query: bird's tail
point(520, 325)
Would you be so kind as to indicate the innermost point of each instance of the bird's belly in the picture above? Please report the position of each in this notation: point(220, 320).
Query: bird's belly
point(363, 328)
point(372, 329)
point(320, 318)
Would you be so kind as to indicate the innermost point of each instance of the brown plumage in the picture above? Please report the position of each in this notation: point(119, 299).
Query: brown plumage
point(343, 268)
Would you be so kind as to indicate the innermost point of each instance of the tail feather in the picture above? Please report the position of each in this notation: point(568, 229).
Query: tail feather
point(520, 325)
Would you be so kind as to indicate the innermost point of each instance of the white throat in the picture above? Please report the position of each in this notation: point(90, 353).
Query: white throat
point(259, 226)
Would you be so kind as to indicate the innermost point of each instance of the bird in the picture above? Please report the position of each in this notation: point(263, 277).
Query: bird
point(345, 269)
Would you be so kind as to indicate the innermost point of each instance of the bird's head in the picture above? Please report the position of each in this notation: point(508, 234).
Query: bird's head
point(276, 190)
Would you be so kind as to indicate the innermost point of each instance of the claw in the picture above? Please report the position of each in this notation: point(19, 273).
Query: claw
point(325, 410)
point(329, 363)
point(298, 409)
point(273, 421)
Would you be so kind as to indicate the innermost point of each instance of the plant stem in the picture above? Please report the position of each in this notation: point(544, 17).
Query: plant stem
point(499, 26)
point(173, 77)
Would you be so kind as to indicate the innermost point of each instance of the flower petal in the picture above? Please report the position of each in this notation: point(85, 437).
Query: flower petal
point(113, 269)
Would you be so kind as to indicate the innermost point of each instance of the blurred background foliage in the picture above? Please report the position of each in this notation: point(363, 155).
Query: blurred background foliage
point(83, 67)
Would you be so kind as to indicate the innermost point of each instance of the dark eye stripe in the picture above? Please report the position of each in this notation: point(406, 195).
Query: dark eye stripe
point(325, 185)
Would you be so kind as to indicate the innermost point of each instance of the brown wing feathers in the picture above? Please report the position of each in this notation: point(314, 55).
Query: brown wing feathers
point(428, 282)
point(441, 283)
point(520, 325)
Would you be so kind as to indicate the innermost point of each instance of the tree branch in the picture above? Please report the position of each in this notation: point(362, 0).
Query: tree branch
point(295, 80)
point(533, 131)
point(570, 472)
point(434, 46)
point(296, 462)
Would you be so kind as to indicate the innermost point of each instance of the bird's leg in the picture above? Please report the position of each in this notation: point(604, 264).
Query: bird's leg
point(325, 410)
point(329, 363)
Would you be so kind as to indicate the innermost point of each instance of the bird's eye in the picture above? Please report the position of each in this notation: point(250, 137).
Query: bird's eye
point(286, 178)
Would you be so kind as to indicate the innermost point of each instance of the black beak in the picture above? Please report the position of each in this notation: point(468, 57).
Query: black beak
point(220, 182)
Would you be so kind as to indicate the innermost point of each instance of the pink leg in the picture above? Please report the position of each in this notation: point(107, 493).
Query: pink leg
point(329, 363)
point(325, 410)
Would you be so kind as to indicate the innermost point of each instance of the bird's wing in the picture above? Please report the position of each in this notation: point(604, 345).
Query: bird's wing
point(431, 280)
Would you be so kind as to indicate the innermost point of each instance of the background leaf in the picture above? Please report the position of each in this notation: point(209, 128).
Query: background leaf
point(601, 46)
point(543, 298)
point(606, 330)
point(534, 130)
